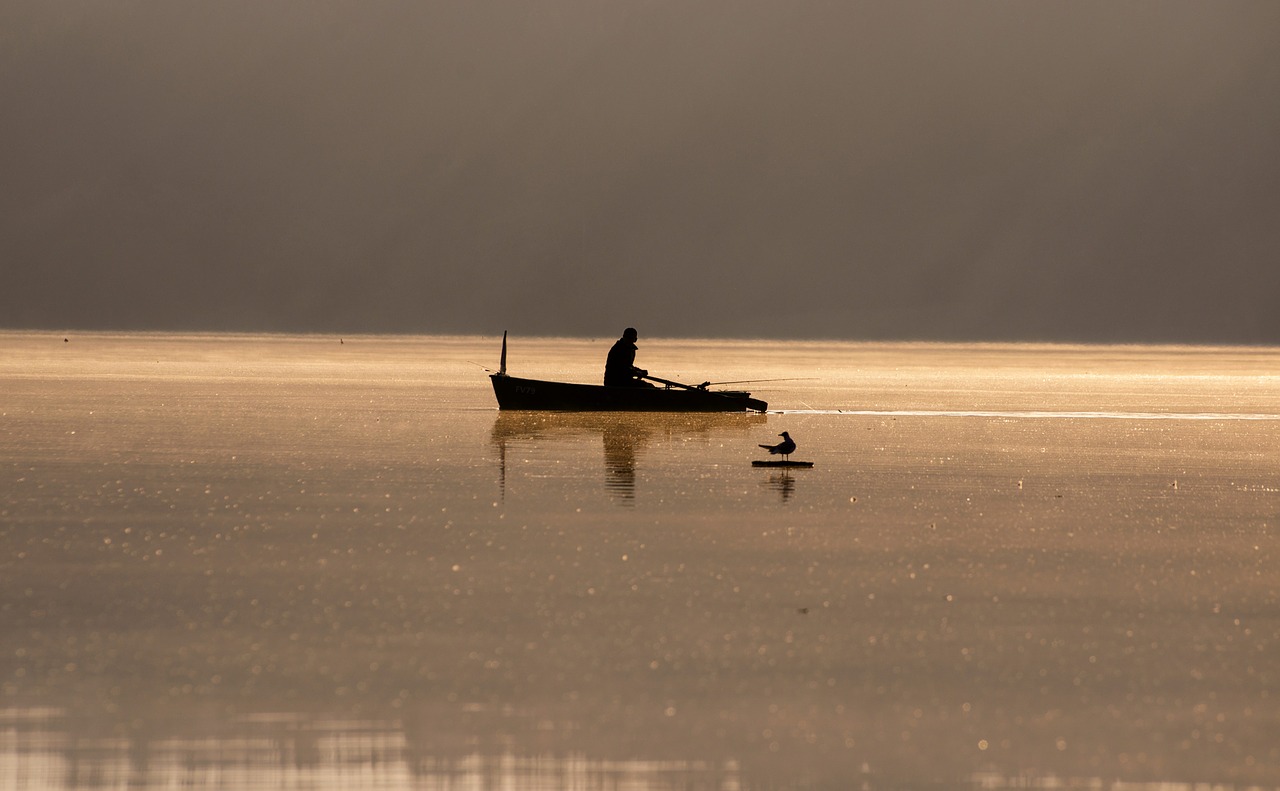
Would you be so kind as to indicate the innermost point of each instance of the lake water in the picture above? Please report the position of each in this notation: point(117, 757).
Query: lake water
point(262, 562)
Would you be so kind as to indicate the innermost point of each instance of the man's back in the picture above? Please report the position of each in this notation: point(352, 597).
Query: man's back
point(620, 368)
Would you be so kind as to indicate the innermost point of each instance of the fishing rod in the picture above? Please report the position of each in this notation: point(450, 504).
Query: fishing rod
point(502, 366)
point(754, 381)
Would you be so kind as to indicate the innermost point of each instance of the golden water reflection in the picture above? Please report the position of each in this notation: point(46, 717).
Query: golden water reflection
point(47, 749)
point(229, 573)
point(625, 437)
point(41, 750)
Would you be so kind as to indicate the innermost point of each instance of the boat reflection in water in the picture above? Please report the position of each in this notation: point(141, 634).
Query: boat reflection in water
point(626, 436)
point(471, 746)
point(621, 441)
point(428, 748)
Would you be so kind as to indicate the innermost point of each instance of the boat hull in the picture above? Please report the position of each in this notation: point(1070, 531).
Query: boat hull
point(514, 392)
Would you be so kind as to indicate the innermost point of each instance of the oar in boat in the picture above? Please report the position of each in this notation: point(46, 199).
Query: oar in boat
point(670, 383)
point(736, 398)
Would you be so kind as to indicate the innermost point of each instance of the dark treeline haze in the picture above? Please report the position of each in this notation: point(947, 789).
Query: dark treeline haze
point(1103, 171)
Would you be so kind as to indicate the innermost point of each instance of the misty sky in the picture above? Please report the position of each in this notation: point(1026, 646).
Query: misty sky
point(1096, 171)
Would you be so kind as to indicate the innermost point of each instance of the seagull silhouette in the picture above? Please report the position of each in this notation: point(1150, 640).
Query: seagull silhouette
point(786, 447)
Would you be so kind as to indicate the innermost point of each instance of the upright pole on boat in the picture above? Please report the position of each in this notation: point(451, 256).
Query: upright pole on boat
point(502, 365)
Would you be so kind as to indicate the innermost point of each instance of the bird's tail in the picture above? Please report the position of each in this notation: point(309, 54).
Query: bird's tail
point(767, 447)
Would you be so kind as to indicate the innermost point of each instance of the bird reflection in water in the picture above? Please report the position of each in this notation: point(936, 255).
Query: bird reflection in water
point(624, 435)
point(784, 483)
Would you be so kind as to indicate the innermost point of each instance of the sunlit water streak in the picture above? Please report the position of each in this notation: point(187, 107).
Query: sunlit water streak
point(304, 561)
point(1033, 415)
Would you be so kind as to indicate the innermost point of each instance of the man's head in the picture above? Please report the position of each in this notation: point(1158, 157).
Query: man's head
point(630, 334)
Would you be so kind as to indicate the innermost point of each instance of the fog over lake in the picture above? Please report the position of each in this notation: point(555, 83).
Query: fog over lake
point(1084, 171)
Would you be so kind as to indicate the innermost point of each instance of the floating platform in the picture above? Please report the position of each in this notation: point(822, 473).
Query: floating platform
point(781, 464)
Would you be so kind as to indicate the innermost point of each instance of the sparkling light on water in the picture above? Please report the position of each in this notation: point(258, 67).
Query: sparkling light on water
point(274, 562)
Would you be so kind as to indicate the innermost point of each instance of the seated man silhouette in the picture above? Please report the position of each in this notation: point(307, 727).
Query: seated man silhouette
point(620, 369)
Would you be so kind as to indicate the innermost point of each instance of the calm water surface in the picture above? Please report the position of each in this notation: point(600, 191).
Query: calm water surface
point(269, 562)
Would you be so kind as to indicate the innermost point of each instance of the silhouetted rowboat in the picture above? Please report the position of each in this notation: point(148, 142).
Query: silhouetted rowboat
point(514, 392)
